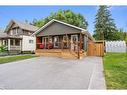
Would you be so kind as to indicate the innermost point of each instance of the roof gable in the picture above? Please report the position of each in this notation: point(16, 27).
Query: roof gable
point(72, 26)
point(54, 20)
point(22, 25)
point(56, 28)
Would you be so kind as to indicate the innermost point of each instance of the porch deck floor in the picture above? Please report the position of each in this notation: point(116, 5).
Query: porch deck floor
point(51, 50)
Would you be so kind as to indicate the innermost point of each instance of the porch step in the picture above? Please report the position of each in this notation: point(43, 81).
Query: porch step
point(14, 52)
point(69, 54)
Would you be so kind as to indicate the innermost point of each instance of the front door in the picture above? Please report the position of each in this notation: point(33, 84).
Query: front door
point(45, 42)
point(56, 41)
point(74, 41)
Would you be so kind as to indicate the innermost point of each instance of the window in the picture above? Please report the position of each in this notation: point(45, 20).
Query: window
point(31, 41)
point(17, 42)
point(29, 33)
point(11, 42)
point(4, 42)
point(25, 32)
point(14, 31)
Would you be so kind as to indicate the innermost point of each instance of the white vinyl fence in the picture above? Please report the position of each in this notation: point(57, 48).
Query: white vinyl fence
point(115, 46)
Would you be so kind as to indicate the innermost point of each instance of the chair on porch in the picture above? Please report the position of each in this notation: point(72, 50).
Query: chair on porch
point(41, 46)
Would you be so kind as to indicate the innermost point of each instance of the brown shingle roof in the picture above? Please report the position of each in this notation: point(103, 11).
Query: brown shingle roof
point(22, 25)
point(2, 34)
point(26, 26)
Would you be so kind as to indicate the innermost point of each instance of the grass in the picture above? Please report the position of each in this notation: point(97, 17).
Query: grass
point(14, 58)
point(115, 69)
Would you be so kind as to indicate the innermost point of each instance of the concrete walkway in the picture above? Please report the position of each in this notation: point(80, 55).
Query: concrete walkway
point(53, 73)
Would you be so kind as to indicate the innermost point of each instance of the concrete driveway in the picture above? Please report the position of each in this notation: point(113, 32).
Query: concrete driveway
point(53, 73)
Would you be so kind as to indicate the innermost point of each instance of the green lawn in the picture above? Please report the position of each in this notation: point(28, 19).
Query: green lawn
point(14, 58)
point(115, 66)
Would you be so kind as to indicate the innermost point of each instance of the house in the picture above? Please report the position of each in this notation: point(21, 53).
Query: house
point(2, 34)
point(17, 37)
point(57, 38)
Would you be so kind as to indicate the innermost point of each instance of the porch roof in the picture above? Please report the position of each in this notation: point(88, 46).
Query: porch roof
point(10, 37)
point(2, 34)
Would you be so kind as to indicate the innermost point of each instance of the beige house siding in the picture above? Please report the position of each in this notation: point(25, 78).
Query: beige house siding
point(14, 26)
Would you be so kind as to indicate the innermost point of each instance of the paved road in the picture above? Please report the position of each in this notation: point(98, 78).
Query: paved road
point(53, 73)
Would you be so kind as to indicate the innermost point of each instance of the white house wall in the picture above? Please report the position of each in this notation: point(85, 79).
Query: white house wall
point(26, 46)
point(0, 42)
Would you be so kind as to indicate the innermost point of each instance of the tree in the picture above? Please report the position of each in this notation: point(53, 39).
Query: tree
point(105, 27)
point(126, 38)
point(119, 35)
point(63, 15)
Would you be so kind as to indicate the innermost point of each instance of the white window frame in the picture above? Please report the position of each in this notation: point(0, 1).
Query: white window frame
point(72, 44)
point(45, 40)
point(74, 36)
point(31, 41)
point(58, 41)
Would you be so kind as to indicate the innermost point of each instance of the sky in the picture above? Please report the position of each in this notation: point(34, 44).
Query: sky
point(22, 13)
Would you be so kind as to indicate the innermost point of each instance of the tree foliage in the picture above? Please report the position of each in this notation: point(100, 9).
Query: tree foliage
point(63, 15)
point(126, 37)
point(105, 28)
point(119, 35)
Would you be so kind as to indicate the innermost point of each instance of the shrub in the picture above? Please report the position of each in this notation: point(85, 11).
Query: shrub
point(3, 48)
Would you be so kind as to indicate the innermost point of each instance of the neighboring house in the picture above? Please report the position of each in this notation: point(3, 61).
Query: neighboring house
point(17, 37)
point(2, 34)
point(57, 38)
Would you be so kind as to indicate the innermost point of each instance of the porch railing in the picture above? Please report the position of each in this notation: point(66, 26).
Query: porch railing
point(15, 47)
point(77, 46)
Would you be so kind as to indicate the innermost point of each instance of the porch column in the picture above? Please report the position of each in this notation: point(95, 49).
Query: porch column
point(3, 42)
point(79, 45)
point(48, 42)
point(67, 40)
point(62, 44)
point(20, 45)
point(9, 44)
point(14, 42)
point(80, 41)
point(37, 41)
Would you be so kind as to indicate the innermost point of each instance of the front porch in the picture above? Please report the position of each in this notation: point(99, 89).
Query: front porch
point(66, 46)
point(63, 53)
point(13, 44)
